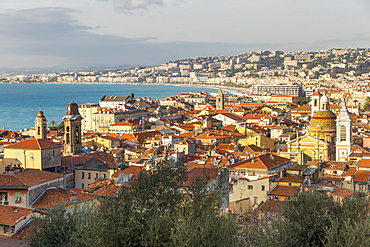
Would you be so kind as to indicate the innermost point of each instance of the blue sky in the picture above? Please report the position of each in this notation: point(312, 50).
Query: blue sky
point(151, 32)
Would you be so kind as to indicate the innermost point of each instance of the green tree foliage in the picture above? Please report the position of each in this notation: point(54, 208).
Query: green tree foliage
point(60, 126)
point(64, 226)
point(366, 105)
point(315, 219)
point(155, 211)
point(303, 100)
point(52, 125)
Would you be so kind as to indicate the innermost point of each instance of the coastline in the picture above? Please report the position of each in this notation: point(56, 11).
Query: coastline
point(229, 89)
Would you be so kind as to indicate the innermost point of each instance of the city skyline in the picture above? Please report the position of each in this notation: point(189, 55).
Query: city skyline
point(151, 32)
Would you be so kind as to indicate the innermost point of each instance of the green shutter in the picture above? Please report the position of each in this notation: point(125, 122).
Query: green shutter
point(17, 196)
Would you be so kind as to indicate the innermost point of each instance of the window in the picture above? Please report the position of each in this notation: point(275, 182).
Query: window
point(255, 200)
point(89, 175)
point(263, 188)
point(31, 156)
point(17, 197)
point(83, 175)
point(4, 197)
point(105, 175)
point(315, 102)
point(250, 187)
point(343, 133)
point(290, 184)
point(6, 230)
point(276, 197)
point(97, 175)
point(335, 172)
point(83, 186)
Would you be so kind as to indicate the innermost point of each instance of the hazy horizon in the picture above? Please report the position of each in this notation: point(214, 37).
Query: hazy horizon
point(43, 34)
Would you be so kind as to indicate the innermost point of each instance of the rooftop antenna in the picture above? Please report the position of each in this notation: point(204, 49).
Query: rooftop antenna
point(40, 107)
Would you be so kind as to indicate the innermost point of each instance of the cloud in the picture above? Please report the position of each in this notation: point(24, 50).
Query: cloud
point(131, 6)
point(45, 37)
point(136, 4)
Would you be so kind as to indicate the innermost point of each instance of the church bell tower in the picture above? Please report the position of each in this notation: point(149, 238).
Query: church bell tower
point(220, 100)
point(72, 130)
point(40, 125)
point(344, 134)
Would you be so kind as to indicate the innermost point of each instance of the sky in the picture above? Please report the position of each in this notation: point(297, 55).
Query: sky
point(54, 33)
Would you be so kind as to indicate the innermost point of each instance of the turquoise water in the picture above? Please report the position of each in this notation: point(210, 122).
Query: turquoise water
point(19, 103)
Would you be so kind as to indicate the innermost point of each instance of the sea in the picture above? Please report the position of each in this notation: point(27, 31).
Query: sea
point(19, 103)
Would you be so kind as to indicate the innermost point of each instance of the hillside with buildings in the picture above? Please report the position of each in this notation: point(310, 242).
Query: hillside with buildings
point(255, 150)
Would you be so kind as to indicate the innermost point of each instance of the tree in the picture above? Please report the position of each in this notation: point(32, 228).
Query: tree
point(156, 210)
point(303, 100)
point(315, 219)
point(63, 226)
point(60, 126)
point(366, 105)
point(52, 125)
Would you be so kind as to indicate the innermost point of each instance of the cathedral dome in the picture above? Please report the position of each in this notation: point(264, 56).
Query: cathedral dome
point(323, 125)
point(323, 119)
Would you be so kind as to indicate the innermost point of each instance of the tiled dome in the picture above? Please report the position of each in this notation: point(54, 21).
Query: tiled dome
point(323, 119)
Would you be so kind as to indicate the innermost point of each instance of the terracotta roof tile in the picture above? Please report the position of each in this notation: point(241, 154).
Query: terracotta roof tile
point(293, 179)
point(264, 161)
point(27, 178)
point(364, 163)
point(39, 144)
point(129, 170)
point(361, 176)
point(208, 174)
point(272, 206)
point(280, 190)
point(54, 196)
point(11, 215)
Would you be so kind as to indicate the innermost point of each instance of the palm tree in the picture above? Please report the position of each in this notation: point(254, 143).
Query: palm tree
point(52, 124)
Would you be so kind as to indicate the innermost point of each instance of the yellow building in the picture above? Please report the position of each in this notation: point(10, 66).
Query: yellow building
point(307, 148)
point(254, 190)
point(107, 142)
point(258, 140)
point(35, 154)
point(319, 142)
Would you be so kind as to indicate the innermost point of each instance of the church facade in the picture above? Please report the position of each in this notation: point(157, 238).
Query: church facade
point(328, 137)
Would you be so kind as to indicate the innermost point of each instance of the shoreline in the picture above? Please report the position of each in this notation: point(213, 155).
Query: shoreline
point(229, 89)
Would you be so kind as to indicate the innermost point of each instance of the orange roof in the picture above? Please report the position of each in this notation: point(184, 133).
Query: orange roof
point(338, 191)
point(39, 144)
point(292, 179)
point(233, 116)
point(350, 171)
point(272, 206)
point(11, 215)
point(105, 187)
point(364, 163)
point(254, 116)
point(130, 170)
point(280, 190)
point(208, 174)
point(54, 196)
point(251, 104)
point(361, 176)
point(27, 178)
point(265, 161)
point(229, 127)
point(302, 108)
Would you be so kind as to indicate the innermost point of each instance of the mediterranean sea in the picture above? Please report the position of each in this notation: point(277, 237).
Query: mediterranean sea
point(19, 103)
